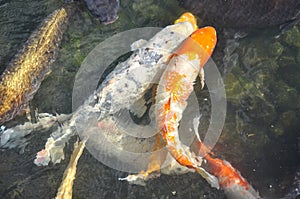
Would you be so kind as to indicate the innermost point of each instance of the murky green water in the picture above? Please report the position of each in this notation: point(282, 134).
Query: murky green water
point(260, 137)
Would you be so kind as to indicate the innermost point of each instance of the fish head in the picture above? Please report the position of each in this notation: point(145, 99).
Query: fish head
point(206, 38)
point(199, 45)
point(187, 17)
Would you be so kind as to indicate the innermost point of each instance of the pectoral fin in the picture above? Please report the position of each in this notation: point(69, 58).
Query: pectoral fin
point(201, 76)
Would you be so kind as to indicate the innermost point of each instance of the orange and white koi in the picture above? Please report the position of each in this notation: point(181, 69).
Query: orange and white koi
point(230, 180)
point(174, 88)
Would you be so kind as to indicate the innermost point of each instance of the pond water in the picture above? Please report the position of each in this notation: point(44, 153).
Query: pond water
point(261, 133)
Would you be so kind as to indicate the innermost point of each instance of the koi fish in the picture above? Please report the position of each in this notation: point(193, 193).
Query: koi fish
point(66, 188)
point(24, 74)
point(174, 88)
point(230, 180)
point(251, 14)
point(130, 79)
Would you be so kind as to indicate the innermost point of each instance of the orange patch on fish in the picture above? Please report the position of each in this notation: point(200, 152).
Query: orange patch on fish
point(174, 83)
point(199, 45)
point(227, 175)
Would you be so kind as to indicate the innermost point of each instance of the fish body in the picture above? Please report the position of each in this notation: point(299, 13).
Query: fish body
point(174, 88)
point(132, 78)
point(230, 180)
point(176, 85)
point(66, 188)
point(25, 72)
point(244, 14)
point(122, 87)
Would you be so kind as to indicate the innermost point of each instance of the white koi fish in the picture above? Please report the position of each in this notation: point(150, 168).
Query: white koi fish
point(121, 88)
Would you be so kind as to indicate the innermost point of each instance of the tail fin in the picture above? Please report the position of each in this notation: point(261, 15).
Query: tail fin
point(54, 148)
point(15, 137)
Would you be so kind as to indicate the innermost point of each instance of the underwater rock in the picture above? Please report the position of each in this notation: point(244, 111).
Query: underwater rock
point(251, 13)
point(289, 120)
point(276, 129)
point(298, 58)
point(276, 49)
point(233, 88)
point(285, 97)
point(258, 110)
point(292, 37)
point(104, 10)
point(254, 51)
point(290, 74)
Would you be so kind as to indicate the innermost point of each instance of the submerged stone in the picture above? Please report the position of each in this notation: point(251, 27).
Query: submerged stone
point(285, 97)
point(104, 10)
point(289, 119)
point(276, 49)
point(292, 37)
point(277, 129)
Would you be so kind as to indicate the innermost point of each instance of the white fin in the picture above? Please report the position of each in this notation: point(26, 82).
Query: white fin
point(138, 44)
point(16, 137)
point(54, 148)
point(196, 122)
point(201, 76)
point(139, 108)
point(211, 179)
point(140, 179)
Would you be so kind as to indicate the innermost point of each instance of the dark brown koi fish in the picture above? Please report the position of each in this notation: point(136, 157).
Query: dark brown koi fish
point(245, 14)
point(25, 72)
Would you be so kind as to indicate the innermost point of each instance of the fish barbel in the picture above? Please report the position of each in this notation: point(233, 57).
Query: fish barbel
point(25, 72)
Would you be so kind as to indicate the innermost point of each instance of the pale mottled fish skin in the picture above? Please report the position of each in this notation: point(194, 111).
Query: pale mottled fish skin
point(130, 79)
point(125, 84)
point(26, 71)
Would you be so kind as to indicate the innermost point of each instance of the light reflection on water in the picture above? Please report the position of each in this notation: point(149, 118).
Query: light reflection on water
point(259, 138)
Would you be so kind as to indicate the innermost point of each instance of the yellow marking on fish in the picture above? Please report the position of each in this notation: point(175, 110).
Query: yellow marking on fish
point(66, 188)
point(173, 79)
point(25, 72)
point(188, 17)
